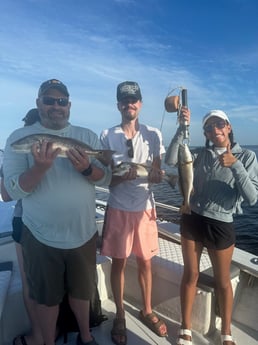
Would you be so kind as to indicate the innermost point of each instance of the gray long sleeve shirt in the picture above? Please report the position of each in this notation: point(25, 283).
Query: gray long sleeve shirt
point(218, 191)
point(60, 211)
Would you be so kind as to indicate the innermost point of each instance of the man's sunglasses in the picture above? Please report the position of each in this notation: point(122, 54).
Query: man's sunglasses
point(127, 101)
point(62, 102)
point(129, 144)
point(218, 124)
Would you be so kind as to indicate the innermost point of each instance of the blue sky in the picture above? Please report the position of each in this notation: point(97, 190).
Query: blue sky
point(209, 47)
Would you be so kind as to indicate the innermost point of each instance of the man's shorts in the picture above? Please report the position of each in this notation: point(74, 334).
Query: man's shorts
point(130, 232)
point(51, 272)
point(212, 233)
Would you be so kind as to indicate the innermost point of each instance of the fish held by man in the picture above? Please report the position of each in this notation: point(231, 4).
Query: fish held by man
point(25, 144)
point(142, 171)
point(185, 172)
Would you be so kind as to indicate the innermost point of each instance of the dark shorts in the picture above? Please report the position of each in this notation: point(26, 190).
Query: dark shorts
point(212, 233)
point(51, 272)
point(17, 229)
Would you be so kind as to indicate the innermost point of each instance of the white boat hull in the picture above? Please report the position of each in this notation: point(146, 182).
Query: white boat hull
point(167, 272)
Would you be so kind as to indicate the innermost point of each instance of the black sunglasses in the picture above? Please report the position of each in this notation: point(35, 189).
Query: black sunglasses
point(127, 101)
point(218, 124)
point(62, 102)
point(129, 144)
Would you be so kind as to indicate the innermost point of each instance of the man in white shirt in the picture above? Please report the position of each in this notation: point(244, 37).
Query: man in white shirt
point(130, 222)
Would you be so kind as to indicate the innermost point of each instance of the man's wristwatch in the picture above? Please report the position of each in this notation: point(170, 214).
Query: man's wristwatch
point(88, 171)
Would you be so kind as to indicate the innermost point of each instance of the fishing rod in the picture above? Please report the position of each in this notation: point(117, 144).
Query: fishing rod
point(185, 104)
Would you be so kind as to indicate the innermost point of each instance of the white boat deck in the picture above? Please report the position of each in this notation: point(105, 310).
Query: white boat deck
point(139, 334)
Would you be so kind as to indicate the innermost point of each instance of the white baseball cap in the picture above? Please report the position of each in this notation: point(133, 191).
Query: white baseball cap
point(217, 113)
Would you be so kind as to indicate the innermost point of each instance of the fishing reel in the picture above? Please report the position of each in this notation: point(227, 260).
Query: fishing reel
point(174, 103)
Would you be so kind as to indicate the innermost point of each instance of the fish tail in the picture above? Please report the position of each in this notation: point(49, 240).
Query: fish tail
point(185, 209)
point(106, 157)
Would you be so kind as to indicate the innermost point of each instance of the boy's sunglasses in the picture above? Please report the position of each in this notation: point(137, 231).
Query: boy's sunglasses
point(62, 102)
point(218, 124)
point(127, 101)
point(129, 144)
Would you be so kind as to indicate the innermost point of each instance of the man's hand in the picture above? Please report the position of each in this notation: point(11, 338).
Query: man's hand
point(131, 174)
point(44, 155)
point(79, 159)
point(155, 175)
point(184, 116)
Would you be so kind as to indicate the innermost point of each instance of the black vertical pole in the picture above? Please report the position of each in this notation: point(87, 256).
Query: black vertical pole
point(185, 104)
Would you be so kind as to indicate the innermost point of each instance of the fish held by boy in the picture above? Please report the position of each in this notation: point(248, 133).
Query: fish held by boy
point(142, 171)
point(25, 144)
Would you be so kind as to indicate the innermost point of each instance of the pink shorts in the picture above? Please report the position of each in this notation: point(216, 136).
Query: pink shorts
point(130, 232)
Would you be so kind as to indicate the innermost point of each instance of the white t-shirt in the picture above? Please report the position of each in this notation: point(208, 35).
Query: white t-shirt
point(133, 195)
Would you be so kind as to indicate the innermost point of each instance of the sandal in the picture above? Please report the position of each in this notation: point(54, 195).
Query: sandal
point(182, 341)
point(21, 338)
point(119, 331)
point(80, 342)
point(227, 338)
point(148, 320)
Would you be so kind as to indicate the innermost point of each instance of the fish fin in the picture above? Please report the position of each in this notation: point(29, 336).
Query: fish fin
point(105, 157)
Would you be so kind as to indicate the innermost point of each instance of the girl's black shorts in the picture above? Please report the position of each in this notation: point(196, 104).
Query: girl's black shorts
point(212, 233)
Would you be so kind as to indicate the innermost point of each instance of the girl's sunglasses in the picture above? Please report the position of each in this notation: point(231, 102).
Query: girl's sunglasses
point(218, 124)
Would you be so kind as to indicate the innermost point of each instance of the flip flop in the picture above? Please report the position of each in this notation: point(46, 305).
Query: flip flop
point(148, 320)
point(80, 342)
point(119, 330)
point(227, 338)
point(182, 341)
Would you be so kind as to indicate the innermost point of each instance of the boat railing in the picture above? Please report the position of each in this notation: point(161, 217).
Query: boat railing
point(158, 204)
